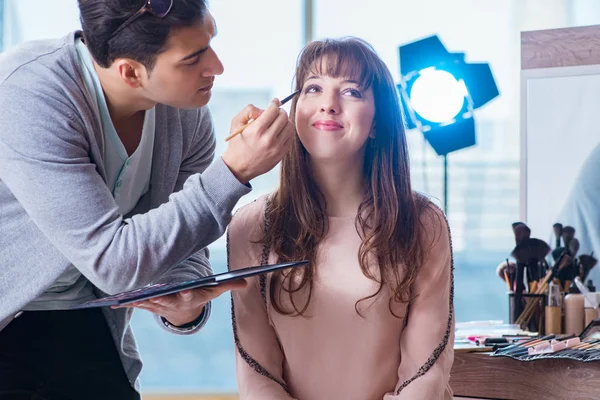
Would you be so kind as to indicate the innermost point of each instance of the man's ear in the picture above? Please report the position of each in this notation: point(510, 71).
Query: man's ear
point(130, 71)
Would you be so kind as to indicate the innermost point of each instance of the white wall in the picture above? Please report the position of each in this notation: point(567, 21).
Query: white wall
point(585, 12)
point(38, 19)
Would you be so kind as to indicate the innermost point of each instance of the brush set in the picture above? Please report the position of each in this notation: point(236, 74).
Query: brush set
point(553, 346)
point(536, 265)
point(531, 268)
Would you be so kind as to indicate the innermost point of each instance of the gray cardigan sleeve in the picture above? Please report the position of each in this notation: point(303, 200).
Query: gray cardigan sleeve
point(45, 163)
point(197, 265)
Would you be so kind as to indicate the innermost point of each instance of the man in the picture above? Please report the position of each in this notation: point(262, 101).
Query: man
point(106, 184)
point(582, 210)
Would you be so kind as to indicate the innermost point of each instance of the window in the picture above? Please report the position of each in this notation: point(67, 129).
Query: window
point(256, 70)
point(483, 182)
point(258, 43)
point(1, 25)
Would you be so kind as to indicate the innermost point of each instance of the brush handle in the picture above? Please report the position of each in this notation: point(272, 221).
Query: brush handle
point(507, 279)
point(240, 130)
point(527, 313)
point(530, 307)
point(520, 285)
point(291, 96)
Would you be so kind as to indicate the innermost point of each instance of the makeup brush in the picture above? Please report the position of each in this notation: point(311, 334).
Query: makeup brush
point(587, 262)
point(572, 247)
point(514, 224)
point(521, 231)
point(522, 347)
point(529, 249)
point(556, 269)
point(558, 230)
point(533, 271)
point(568, 234)
point(241, 129)
point(506, 271)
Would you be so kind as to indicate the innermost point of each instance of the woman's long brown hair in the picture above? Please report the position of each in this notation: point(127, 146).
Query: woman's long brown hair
point(388, 217)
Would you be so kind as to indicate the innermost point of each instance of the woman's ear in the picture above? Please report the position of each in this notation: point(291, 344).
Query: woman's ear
point(372, 133)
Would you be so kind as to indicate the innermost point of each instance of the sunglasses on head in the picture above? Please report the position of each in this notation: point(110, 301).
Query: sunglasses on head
point(158, 8)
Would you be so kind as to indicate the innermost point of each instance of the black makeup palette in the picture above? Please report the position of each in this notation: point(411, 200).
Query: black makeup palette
point(162, 289)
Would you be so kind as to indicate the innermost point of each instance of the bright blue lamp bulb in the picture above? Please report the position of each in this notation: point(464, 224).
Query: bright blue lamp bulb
point(437, 96)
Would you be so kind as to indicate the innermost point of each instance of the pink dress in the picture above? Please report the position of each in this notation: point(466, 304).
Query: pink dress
point(332, 352)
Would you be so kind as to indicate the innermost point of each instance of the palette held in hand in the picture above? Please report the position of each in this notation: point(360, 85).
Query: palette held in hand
point(163, 289)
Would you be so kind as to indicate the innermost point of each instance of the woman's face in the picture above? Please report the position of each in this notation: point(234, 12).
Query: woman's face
point(334, 117)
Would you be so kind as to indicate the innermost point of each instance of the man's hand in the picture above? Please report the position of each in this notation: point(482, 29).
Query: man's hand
point(186, 306)
point(262, 144)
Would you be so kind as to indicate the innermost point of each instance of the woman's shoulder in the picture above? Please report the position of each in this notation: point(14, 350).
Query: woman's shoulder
point(245, 234)
point(432, 219)
point(249, 219)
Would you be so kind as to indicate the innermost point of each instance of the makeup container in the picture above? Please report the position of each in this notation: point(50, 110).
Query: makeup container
point(517, 303)
point(590, 303)
point(553, 323)
point(574, 311)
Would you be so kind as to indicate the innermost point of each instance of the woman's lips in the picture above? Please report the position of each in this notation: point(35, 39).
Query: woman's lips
point(327, 125)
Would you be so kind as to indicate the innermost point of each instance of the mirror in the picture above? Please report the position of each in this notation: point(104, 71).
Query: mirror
point(560, 135)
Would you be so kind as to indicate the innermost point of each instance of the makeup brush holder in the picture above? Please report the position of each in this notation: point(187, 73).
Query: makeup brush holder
point(535, 313)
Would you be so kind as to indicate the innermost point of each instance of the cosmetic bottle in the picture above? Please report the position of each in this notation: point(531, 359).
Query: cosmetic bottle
point(554, 310)
point(591, 310)
point(574, 311)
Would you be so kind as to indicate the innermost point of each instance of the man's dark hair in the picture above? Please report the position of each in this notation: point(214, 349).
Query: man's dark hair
point(143, 39)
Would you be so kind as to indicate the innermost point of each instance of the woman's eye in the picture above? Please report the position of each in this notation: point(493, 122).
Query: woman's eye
point(353, 92)
point(311, 89)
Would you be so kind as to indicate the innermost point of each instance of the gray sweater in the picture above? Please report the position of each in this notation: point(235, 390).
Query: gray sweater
point(55, 206)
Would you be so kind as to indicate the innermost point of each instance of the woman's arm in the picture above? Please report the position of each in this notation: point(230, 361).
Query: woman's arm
point(427, 340)
point(259, 358)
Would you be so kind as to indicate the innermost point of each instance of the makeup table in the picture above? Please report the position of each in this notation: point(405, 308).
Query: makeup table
point(477, 375)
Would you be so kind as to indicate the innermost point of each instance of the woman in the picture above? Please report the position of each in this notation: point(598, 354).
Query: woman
point(371, 316)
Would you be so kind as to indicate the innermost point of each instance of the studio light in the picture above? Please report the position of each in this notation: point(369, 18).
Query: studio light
point(437, 96)
point(439, 92)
